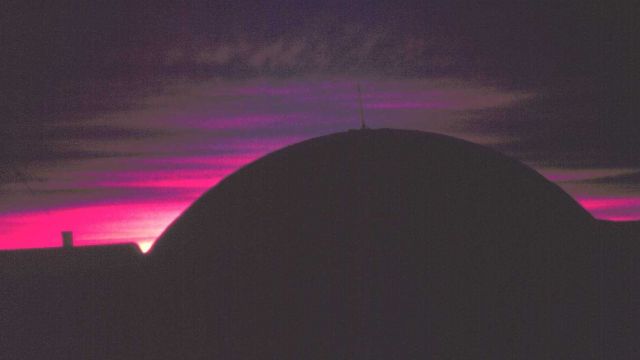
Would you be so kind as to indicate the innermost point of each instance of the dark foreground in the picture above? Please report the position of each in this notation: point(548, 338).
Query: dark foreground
point(373, 244)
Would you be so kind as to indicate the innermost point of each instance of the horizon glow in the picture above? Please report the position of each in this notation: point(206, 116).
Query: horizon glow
point(209, 130)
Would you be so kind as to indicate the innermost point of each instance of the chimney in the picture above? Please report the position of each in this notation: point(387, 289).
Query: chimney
point(67, 239)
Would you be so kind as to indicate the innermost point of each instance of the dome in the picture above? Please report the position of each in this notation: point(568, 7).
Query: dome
point(373, 177)
point(380, 244)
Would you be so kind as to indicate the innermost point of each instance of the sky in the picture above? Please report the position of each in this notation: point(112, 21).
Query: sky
point(116, 115)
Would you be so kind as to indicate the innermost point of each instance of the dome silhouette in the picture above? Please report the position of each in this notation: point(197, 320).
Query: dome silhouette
point(377, 244)
point(369, 244)
point(361, 175)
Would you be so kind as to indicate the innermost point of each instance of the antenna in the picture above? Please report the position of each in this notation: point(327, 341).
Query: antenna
point(362, 124)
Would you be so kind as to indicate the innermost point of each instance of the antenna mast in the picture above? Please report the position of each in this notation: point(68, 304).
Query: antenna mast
point(362, 124)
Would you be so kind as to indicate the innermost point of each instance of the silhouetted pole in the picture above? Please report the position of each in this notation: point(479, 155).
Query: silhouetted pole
point(67, 239)
point(362, 124)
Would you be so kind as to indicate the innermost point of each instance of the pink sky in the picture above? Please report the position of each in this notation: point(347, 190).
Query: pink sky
point(211, 129)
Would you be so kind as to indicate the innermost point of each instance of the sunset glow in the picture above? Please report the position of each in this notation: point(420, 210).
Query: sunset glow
point(613, 208)
point(205, 131)
point(139, 223)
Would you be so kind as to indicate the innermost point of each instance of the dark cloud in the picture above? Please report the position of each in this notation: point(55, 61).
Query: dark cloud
point(99, 132)
point(565, 129)
point(36, 199)
point(627, 181)
point(77, 45)
point(25, 145)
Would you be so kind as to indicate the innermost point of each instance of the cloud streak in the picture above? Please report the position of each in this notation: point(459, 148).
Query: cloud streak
point(176, 144)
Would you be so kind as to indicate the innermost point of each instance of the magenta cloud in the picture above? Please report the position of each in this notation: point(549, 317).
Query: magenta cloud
point(211, 128)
